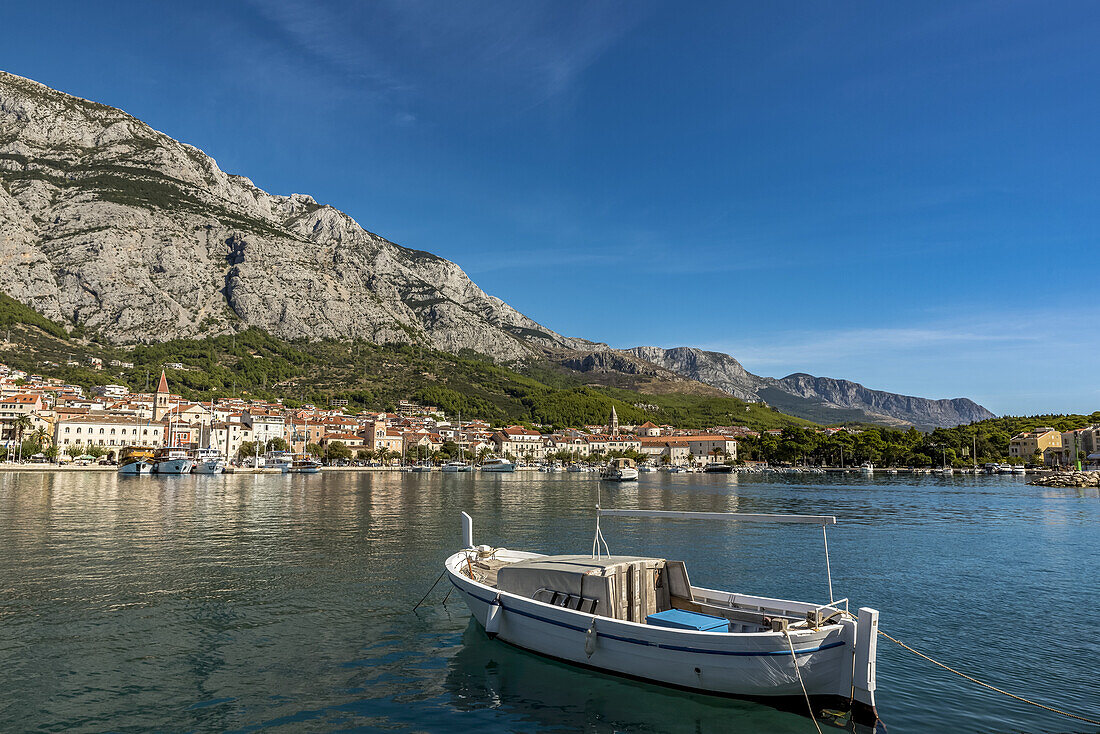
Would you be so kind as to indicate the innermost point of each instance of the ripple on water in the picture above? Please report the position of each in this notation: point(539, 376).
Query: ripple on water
point(239, 603)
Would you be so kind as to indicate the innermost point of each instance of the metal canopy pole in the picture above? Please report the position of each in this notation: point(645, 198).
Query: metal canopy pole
point(828, 570)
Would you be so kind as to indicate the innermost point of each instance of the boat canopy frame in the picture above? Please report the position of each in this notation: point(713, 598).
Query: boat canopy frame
point(823, 520)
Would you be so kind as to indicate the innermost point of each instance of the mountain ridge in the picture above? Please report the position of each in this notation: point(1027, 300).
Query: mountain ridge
point(831, 394)
point(112, 226)
point(122, 228)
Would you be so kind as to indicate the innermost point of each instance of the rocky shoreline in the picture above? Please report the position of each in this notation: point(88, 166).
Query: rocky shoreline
point(1069, 479)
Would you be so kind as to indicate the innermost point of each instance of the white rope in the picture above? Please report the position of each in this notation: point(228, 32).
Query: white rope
point(598, 538)
point(986, 685)
point(798, 672)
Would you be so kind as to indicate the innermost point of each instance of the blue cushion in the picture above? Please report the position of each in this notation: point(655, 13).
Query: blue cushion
point(680, 619)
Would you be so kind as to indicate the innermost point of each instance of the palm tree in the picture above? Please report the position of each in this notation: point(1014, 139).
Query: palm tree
point(42, 437)
point(18, 426)
point(383, 454)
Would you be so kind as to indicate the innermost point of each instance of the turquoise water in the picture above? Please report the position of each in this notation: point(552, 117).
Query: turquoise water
point(283, 603)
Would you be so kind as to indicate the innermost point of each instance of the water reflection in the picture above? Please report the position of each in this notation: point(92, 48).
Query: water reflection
point(546, 695)
point(235, 602)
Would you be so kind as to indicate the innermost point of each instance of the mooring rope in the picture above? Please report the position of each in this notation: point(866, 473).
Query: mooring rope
point(430, 590)
point(986, 685)
point(798, 672)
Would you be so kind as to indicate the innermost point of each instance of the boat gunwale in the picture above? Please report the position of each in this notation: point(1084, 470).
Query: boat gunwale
point(452, 566)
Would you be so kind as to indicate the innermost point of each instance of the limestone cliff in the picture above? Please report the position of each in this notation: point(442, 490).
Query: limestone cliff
point(107, 223)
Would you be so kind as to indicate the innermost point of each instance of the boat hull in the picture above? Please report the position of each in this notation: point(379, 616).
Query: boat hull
point(135, 468)
point(749, 665)
point(626, 475)
point(304, 470)
point(210, 466)
point(500, 469)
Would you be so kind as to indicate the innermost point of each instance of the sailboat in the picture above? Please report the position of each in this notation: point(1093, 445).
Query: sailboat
point(209, 460)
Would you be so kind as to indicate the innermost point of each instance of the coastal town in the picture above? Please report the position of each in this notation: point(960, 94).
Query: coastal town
point(44, 420)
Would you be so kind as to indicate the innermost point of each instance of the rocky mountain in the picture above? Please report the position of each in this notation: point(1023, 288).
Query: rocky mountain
point(818, 398)
point(109, 224)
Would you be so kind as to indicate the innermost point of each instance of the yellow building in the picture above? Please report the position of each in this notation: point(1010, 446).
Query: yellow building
point(1026, 445)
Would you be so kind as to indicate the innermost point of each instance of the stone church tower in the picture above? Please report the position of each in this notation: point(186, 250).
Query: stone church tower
point(160, 399)
point(614, 424)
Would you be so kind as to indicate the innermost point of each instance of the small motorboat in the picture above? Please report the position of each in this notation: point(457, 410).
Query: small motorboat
point(717, 468)
point(281, 460)
point(866, 468)
point(497, 465)
point(641, 617)
point(620, 470)
point(574, 468)
point(456, 466)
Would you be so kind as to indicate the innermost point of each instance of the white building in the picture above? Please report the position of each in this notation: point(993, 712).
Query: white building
point(112, 432)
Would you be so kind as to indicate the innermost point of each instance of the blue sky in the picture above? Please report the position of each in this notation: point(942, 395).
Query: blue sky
point(900, 194)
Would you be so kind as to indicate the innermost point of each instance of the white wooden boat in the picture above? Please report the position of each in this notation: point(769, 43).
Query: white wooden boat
point(456, 466)
point(642, 618)
point(867, 468)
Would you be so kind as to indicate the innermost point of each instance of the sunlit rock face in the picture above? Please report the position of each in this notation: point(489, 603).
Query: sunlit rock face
point(107, 223)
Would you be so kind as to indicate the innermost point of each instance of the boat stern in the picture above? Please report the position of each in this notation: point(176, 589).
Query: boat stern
point(861, 634)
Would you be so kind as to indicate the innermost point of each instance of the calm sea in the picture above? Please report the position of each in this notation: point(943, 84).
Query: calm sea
point(284, 603)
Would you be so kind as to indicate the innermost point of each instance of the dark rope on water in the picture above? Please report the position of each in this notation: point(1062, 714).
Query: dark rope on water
point(431, 589)
point(986, 685)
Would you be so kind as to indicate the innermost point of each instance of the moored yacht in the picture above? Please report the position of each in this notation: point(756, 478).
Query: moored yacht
point(304, 465)
point(716, 467)
point(620, 470)
point(456, 466)
point(281, 460)
point(172, 460)
point(134, 460)
point(497, 465)
point(208, 461)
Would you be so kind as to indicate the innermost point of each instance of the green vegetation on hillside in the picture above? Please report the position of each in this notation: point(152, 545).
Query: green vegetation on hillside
point(13, 312)
point(253, 364)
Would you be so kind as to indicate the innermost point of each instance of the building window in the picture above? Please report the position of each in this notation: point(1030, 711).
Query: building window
point(78, 429)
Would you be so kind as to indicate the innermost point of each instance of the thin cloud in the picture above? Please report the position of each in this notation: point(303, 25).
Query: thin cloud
point(416, 52)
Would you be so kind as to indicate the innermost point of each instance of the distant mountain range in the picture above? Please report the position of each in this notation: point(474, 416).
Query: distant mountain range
point(822, 399)
point(111, 225)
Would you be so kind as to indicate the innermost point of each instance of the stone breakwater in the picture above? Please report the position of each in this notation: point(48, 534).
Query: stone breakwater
point(1069, 479)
